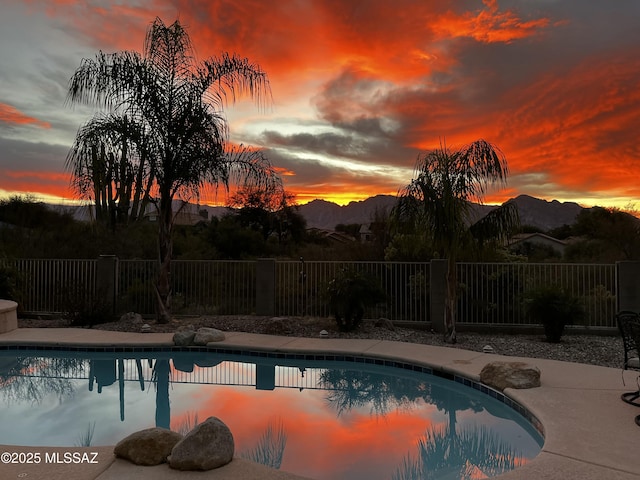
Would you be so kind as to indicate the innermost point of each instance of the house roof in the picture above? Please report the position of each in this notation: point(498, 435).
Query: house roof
point(524, 237)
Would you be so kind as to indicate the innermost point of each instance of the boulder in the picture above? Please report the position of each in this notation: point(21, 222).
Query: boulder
point(206, 335)
point(276, 326)
point(147, 447)
point(133, 317)
point(209, 445)
point(385, 323)
point(501, 375)
point(183, 338)
point(182, 364)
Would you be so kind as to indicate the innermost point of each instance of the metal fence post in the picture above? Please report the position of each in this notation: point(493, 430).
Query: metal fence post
point(106, 271)
point(437, 293)
point(628, 288)
point(265, 286)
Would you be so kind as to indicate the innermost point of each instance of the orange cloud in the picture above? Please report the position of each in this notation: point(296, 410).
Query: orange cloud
point(51, 184)
point(50, 176)
point(525, 78)
point(285, 172)
point(577, 128)
point(356, 440)
point(11, 115)
point(488, 25)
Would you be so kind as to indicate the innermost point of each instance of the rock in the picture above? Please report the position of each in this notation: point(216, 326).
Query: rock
point(182, 364)
point(206, 335)
point(183, 338)
point(133, 317)
point(385, 323)
point(208, 362)
point(209, 445)
point(501, 375)
point(147, 447)
point(146, 328)
point(276, 326)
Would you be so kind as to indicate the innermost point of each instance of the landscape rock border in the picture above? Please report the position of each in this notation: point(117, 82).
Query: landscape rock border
point(188, 336)
point(147, 447)
point(501, 375)
point(208, 446)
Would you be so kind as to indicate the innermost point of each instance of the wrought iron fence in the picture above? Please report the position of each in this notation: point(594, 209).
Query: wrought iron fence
point(301, 285)
point(199, 287)
point(495, 293)
point(53, 285)
point(489, 293)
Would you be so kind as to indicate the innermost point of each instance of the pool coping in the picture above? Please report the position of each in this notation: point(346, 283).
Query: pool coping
point(589, 432)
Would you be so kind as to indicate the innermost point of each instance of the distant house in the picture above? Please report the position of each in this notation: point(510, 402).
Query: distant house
point(333, 237)
point(189, 214)
point(366, 235)
point(525, 240)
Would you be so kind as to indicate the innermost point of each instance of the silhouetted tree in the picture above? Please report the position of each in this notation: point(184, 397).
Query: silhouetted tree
point(268, 209)
point(437, 202)
point(171, 104)
point(608, 234)
point(110, 166)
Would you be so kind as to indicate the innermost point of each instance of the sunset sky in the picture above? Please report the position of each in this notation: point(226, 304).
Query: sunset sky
point(360, 88)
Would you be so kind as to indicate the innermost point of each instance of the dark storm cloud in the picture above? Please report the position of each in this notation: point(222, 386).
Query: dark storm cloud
point(32, 156)
point(362, 140)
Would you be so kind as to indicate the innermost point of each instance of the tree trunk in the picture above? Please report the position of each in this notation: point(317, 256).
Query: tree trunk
point(451, 302)
point(137, 210)
point(163, 405)
point(165, 247)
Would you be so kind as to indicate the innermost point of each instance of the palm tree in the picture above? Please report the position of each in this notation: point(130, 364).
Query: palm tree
point(438, 201)
point(174, 105)
point(110, 167)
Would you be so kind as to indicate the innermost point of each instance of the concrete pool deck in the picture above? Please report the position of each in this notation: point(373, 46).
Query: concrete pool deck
point(589, 432)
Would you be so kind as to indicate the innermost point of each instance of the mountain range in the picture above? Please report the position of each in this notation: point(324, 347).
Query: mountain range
point(533, 211)
point(326, 215)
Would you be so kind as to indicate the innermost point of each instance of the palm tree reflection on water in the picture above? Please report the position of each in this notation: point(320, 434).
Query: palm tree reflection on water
point(445, 450)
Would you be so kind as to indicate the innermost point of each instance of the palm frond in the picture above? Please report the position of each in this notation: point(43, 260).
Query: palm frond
point(498, 225)
point(224, 78)
point(85, 439)
point(270, 448)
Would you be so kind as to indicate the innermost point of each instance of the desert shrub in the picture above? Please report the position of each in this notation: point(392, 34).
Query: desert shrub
point(82, 308)
point(11, 284)
point(349, 294)
point(554, 308)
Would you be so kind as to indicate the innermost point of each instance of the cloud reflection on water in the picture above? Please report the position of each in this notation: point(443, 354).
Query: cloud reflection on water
point(338, 422)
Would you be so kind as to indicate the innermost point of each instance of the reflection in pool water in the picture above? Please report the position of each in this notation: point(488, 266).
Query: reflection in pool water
point(317, 418)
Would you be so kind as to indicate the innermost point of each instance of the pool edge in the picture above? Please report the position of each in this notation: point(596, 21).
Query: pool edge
point(600, 448)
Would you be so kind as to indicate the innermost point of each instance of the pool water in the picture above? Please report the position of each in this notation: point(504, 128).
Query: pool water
point(322, 417)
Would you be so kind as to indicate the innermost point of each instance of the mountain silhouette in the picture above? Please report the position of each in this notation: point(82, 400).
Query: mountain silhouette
point(533, 211)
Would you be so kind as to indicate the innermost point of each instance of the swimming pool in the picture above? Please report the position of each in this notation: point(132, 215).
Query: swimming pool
point(320, 416)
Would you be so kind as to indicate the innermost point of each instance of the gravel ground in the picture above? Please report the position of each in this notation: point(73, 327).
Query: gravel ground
point(591, 349)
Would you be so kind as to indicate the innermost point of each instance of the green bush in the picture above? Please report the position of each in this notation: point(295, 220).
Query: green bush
point(81, 308)
point(349, 294)
point(11, 284)
point(554, 308)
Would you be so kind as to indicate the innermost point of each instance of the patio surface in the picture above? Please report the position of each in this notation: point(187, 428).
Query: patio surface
point(589, 432)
